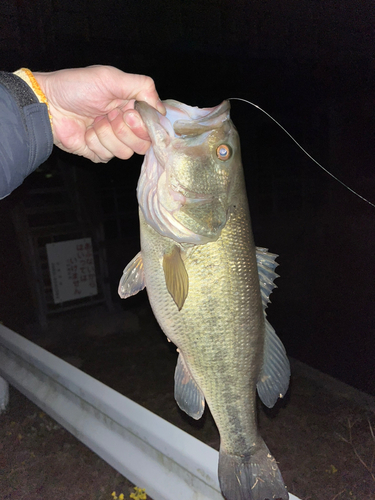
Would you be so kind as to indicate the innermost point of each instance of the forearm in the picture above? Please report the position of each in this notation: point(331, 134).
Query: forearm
point(25, 132)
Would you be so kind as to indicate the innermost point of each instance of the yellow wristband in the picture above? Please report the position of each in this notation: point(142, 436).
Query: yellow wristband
point(29, 78)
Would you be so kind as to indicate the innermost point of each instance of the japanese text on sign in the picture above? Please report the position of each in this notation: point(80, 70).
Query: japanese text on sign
point(72, 269)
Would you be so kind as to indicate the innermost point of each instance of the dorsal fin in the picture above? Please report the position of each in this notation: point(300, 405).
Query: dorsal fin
point(275, 374)
point(266, 269)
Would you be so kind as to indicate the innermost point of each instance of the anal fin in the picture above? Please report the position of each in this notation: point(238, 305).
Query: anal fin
point(188, 395)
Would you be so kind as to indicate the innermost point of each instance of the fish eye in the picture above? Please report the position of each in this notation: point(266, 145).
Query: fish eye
point(223, 152)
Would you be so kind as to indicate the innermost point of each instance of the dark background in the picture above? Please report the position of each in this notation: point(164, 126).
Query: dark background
point(310, 64)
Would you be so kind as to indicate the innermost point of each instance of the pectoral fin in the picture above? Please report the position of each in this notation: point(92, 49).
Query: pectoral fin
point(188, 395)
point(274, 378)
point(133, 278)
point(176, 277)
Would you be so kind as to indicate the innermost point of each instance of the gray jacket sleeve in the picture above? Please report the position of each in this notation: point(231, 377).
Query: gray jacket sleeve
point(26, 138)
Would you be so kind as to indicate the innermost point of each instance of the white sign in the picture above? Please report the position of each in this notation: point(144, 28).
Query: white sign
point(72, 269)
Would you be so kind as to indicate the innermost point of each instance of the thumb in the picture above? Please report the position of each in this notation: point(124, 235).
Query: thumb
point(138, 87)
point(151, 96)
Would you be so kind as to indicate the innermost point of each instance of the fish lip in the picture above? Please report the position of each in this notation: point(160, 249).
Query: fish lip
point(158, 126)
point(141, 106)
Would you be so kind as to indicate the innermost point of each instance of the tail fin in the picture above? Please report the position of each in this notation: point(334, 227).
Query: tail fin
point(256, 477)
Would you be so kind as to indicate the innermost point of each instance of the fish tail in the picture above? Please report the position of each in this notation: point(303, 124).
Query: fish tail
point(255, 477)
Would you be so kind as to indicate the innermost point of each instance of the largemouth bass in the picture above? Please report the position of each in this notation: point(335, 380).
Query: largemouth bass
point(209, 286)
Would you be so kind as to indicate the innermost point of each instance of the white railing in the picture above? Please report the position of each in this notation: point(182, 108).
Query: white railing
point(143, 447)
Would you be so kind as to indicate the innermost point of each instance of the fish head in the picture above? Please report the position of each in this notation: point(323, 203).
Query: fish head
point(184, 190)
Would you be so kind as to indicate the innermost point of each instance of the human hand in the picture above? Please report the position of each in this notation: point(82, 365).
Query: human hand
point(93, 111)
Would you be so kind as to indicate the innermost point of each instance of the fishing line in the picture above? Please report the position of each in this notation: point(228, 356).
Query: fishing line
point(304, 150)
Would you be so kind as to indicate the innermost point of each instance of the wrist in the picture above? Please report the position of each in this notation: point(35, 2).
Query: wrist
point(41, 79)
point(36, 82)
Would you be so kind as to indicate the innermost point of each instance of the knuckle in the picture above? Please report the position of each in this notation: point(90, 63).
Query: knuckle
point(91, 138)
point(150, 82)
point(102, 157)
point(125, 153)
point(102, 128)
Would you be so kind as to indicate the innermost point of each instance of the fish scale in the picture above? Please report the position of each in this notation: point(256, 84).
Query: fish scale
point(204, 287)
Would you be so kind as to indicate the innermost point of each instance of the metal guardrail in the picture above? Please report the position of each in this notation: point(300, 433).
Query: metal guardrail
point(143, 447)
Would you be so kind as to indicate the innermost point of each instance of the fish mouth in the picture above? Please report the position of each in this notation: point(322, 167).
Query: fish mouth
point(200, 120)
point(181, 119)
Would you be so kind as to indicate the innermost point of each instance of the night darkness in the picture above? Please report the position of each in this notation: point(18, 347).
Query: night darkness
point(310, 64)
